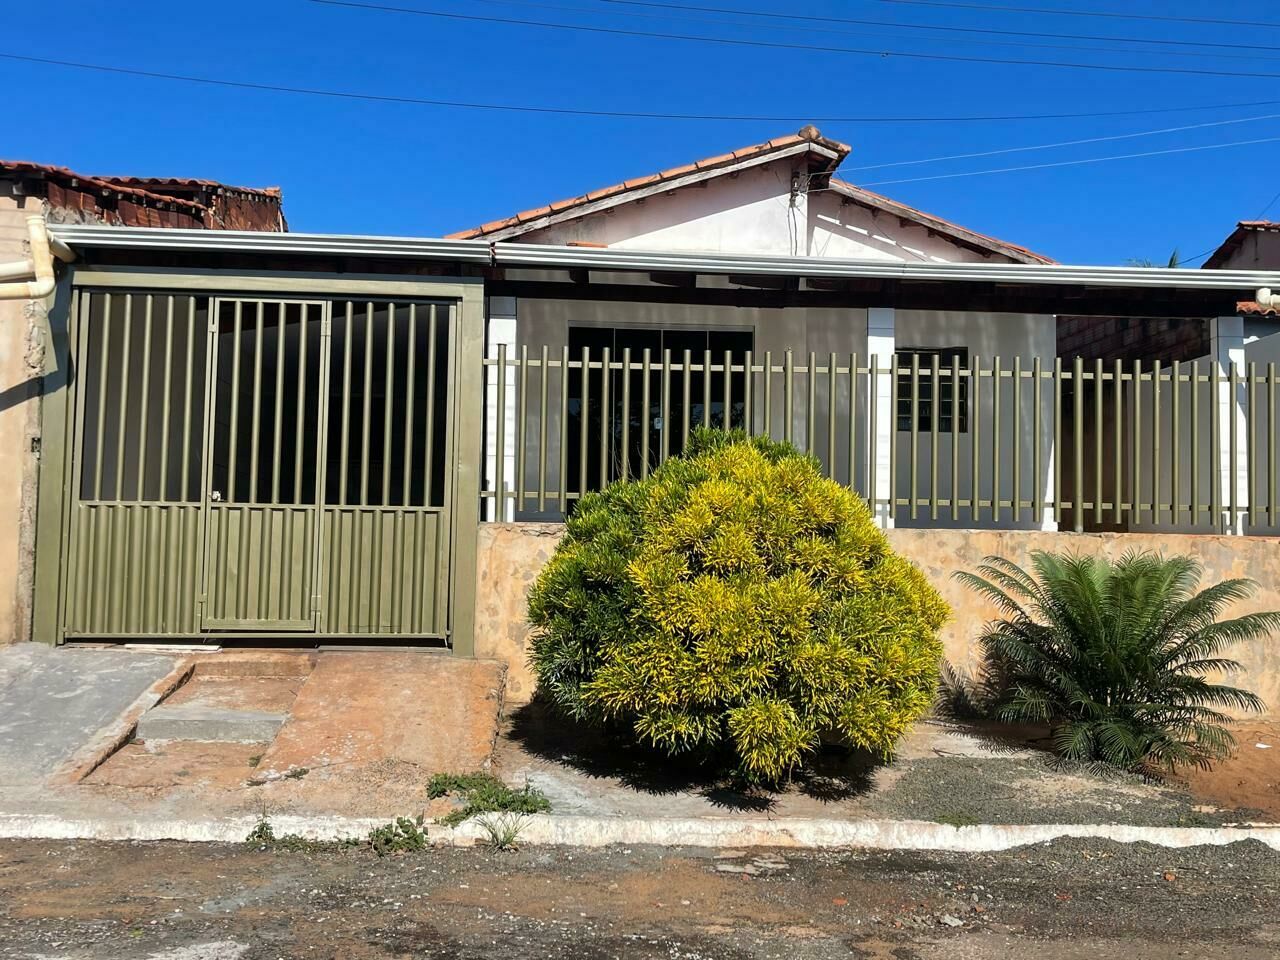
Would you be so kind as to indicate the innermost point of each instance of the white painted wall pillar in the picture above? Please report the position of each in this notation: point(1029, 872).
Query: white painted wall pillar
point(500, 329)
point(881, 345)
point(1226, 349)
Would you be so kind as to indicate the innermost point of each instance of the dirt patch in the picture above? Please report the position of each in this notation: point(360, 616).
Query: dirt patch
point(188, 764)
point(1250, 780)
point(1068, 900)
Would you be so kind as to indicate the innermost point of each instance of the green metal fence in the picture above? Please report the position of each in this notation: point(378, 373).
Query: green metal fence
point(925, 439)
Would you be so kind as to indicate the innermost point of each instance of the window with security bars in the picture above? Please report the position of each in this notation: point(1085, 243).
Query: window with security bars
point(952, 399)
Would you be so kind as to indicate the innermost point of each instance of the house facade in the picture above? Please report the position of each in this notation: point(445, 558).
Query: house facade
point(249, 437)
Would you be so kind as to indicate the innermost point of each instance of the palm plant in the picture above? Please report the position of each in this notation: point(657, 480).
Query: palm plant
point(1113, 655)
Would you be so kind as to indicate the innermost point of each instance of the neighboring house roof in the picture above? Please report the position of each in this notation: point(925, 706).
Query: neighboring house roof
point(149, 201)
point(1229, 247)
point(946, 228)
point(1234, 242)
point(825, 156)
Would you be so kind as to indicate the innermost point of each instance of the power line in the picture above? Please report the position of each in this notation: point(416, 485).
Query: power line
point(611, 114)
point(1084, 13)
point(1065, 143)
point(1074, 163)
point(947, 28)
point(1267, 208)
point(776, 45)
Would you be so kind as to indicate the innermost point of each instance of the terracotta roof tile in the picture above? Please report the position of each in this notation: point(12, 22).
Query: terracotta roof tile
point(1257, 309)
point(808, 134)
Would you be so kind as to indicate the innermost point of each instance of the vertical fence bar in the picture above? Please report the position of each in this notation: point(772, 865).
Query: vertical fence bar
point(853, 421)
point(430, 443)
point(1175, 447)
point(344, 446)
point(121, 430)
point(300, 404)
point(1057, 442)
point(935, 406)
point(278, 425)
point(810, 424)
point(727, 398)
point(389, 376)
point(686, 400)
point(1156, 464)
point(167, 388)
point(975, 438)
point(893, 437)
point(664, 440)
point(255, 421)
point(1233, 450)
point(583, 422)
point(1118, 449)
point(145, 399)
point(788, 394)
point(544, 376)
point(500, 439)
point(748, 393)
point(1078, 440)
point(1016, 497)
point(410, 385)
point(956, 411)
point(831, 416)
point(522, 415)
point(189, 375)
point(1215, 443)
point(873, 433)
point(564, 430)
point(706, 388)
point(915, 431)
point(367, 407)
point(1195, 443)
point(1098, 404)
point(1135, 510)
point(606, 420)
point(647, 419)
point(996, 465)
point(104, 365)
point(625, 443)
point(1251, 448)
point(1037, 429)
point(233, 443)
point(768, 393)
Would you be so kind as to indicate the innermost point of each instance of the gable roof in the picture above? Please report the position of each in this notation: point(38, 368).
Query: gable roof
point(952, 231)
point(825, 155)
point(1234, 242)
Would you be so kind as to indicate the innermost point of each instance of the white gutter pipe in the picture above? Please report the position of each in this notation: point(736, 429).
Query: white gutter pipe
point(39, 265)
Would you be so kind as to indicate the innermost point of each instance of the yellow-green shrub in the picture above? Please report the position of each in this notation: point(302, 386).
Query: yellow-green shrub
point(739, 604)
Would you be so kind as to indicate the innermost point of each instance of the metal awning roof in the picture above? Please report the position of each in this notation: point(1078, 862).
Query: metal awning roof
point(613, 259)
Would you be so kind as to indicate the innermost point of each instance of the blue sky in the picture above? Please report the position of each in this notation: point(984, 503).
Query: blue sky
point(383, 168)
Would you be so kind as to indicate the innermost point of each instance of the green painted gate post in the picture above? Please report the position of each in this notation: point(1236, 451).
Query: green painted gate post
point(55, 444)
point(469, 425)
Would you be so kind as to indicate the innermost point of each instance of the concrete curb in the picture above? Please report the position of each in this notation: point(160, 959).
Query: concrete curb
point(552, 830)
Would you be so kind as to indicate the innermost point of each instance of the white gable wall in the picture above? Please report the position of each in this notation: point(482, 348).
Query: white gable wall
point(753, 212)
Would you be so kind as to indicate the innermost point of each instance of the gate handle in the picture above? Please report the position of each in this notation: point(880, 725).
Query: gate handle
point(216, 496)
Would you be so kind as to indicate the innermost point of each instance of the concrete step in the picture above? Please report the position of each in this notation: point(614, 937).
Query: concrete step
point(200, 721)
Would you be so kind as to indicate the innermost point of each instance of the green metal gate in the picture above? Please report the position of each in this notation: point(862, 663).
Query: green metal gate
point(257, 465)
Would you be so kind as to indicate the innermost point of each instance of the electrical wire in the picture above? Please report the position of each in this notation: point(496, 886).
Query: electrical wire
point(956, 4)
point(776, 45)
point(1073, 163)
point(1064, 143)
point(945, 28)
point(609, 114)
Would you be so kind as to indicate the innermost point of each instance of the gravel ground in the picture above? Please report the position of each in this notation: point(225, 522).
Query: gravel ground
point(1068, 900)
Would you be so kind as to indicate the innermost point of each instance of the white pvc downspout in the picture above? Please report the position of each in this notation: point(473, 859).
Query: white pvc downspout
point(39, 265)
